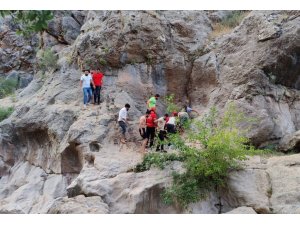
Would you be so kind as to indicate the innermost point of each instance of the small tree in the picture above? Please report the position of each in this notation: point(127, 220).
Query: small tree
point(31, 21)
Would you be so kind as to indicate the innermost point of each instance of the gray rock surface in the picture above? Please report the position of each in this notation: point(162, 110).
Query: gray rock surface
point(242, 210)
point(53, 152)
point(79, 205)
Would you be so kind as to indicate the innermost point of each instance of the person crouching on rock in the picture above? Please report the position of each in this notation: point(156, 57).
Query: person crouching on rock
point(122, 120)
point(161, 125)
point(86, 81)
point(150, 130)
point(143, 125)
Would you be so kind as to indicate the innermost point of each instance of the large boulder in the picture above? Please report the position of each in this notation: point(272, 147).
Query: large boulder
point(290, 142)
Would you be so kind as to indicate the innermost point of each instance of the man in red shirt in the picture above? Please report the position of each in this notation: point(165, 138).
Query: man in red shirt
point(150, 130)
point(98, 81)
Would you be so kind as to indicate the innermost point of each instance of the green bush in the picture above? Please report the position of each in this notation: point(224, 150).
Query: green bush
point(209, 151)
point(7, 87)
point(47, 60)
point(171, 106)
point(5, 113)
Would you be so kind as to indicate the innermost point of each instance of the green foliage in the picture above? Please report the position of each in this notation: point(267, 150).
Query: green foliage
point(5, 113)
point(159, 160)
point(171, 106)
point(233, 19)
point(209, 151)
point(47, 60)
point(31, 21)
point(7, 87)
point(102, 62)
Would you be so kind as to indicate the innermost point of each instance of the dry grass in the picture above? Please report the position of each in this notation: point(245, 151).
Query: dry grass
point(219, 30)
point(228, 23)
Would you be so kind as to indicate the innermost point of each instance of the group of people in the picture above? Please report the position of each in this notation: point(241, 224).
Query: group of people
point(150, 126)
point(91, 83)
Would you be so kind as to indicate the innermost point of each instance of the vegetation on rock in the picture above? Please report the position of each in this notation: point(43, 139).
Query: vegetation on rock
point(7, 86)
point(209, 151)
point(228, 23)
point(46, 60)
point(5, 112)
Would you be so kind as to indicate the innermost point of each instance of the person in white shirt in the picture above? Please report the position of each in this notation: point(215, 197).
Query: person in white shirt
point(86, 81)
point(122, 120)
point(171, 123)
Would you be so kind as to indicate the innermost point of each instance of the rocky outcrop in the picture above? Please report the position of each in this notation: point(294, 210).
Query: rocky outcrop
point(290, 142)
point(56, 157)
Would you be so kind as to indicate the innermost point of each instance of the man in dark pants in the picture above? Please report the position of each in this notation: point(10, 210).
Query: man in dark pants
point(150, 130)
point(98, 81)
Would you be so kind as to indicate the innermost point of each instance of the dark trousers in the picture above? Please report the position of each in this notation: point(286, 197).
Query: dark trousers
point(162, 135)
point(142, 132)
point(150, 134)
point(97, 95)
point(171, 128)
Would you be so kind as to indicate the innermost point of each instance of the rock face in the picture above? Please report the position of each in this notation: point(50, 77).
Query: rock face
point(18, 53)
point(56, 157)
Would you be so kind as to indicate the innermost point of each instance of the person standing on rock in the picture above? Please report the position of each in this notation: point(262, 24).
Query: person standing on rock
point(98, 80)
point(86, 81)
point(122, 120)
point(151, 103)
point(150, 130)
point(143, 125)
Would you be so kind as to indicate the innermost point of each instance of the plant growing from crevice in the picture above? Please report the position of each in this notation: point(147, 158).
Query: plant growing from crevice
point(7, 87)
point(102, 62)
point(47, 60)
point(5, 112)
point(169, 100)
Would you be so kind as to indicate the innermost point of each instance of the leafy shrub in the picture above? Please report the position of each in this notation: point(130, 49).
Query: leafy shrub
point(159, 160)
point(5, 113)
point(210, 151)
point(47, 60)
point(171, 106)
point(7, 87)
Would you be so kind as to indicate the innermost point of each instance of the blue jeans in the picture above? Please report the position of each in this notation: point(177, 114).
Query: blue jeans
point(123, 126)
point(87, 94)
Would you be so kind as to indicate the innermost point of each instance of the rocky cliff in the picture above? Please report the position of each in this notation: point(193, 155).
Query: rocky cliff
point(56, 157)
